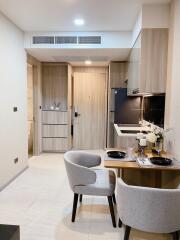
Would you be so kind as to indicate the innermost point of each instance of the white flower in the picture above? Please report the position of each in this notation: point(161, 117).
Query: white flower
point(157, 131)
point(151, 137)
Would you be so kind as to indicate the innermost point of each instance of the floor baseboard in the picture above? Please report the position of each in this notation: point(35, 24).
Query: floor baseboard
point(10, 181)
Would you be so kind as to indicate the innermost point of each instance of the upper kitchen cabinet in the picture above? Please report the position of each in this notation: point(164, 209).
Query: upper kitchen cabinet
point(147, 68)
point(117, 75)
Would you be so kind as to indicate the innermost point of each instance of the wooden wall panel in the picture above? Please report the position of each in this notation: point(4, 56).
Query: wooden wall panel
point(91, 69)
point(30, 108)
point(70, 105)
point(30, 91)
point(118, 74)
point(117, 78)
point(54, 88)
point(37, 97)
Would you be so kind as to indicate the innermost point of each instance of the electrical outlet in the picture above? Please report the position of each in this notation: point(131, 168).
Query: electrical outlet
point(16, 160)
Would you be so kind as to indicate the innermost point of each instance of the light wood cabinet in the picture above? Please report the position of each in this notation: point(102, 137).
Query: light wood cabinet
point(118, 74)
point(147, 67)
point(134, 67)
point(54, 117)
point(55, 131)
point(55, 144)
point(56, 91)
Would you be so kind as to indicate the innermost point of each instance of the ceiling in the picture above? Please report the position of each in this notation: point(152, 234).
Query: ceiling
point(77, 57)
point(58, 15)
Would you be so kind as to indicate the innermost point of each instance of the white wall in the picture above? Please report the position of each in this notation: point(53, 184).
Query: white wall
point(173, 86)
point(155, 16)
point(151, 16)
point(13, 91)
point(137, 28)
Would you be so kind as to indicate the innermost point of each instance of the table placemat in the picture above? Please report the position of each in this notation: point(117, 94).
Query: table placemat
point(107, 158)
point(145, 162)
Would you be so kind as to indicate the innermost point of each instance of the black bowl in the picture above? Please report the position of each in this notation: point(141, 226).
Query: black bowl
point(116, 154)
point(161, 161)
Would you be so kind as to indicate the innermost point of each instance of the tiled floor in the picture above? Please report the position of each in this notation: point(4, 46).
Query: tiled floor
point(40, 201)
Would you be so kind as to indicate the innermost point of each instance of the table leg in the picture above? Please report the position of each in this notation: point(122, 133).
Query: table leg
point(119, 172)
point(122, 174)
point(158, 179)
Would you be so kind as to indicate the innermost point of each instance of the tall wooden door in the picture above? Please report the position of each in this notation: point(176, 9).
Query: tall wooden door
point(90, 110)
point(30, 109)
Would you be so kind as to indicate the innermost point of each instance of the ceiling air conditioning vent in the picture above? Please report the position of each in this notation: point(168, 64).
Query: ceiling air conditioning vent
point(66, 40)
point(43, 40)
point(89, 40)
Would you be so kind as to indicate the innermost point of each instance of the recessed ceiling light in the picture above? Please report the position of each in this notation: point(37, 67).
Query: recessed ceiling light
point(88, 62)
point(79, 21)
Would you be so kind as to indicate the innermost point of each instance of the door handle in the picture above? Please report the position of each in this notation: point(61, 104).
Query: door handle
point(76, 114)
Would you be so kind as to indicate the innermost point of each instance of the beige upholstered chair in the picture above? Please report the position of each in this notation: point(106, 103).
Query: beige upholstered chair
point(148, 209)
point(84, 180)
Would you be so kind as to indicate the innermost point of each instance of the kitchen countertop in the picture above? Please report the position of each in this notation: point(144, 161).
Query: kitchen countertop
point(120, 128)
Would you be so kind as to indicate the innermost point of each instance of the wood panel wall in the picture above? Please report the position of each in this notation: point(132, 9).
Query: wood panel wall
point(118, 74)
point(70, 105)
point(54, 87)
point(91, 69)
point(30, 107)
point(37, 97)
point(117, 79)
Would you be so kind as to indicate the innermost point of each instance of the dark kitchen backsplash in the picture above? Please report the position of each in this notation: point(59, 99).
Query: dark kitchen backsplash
point(130, 110)
point(153, 109)
point(127, 109)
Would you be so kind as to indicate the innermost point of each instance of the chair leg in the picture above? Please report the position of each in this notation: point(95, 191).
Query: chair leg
point(175, 235)
point(111, 208)
point(74, 207)
point(119, 223)
point(127, 233)
point(80, 198)
point(114, 198)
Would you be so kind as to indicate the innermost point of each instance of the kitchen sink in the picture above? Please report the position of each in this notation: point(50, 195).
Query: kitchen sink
point(133, 131)
point(129, 125)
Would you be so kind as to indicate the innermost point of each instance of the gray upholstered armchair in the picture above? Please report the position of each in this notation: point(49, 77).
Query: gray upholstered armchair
point(148, 209)
point(85, 180)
